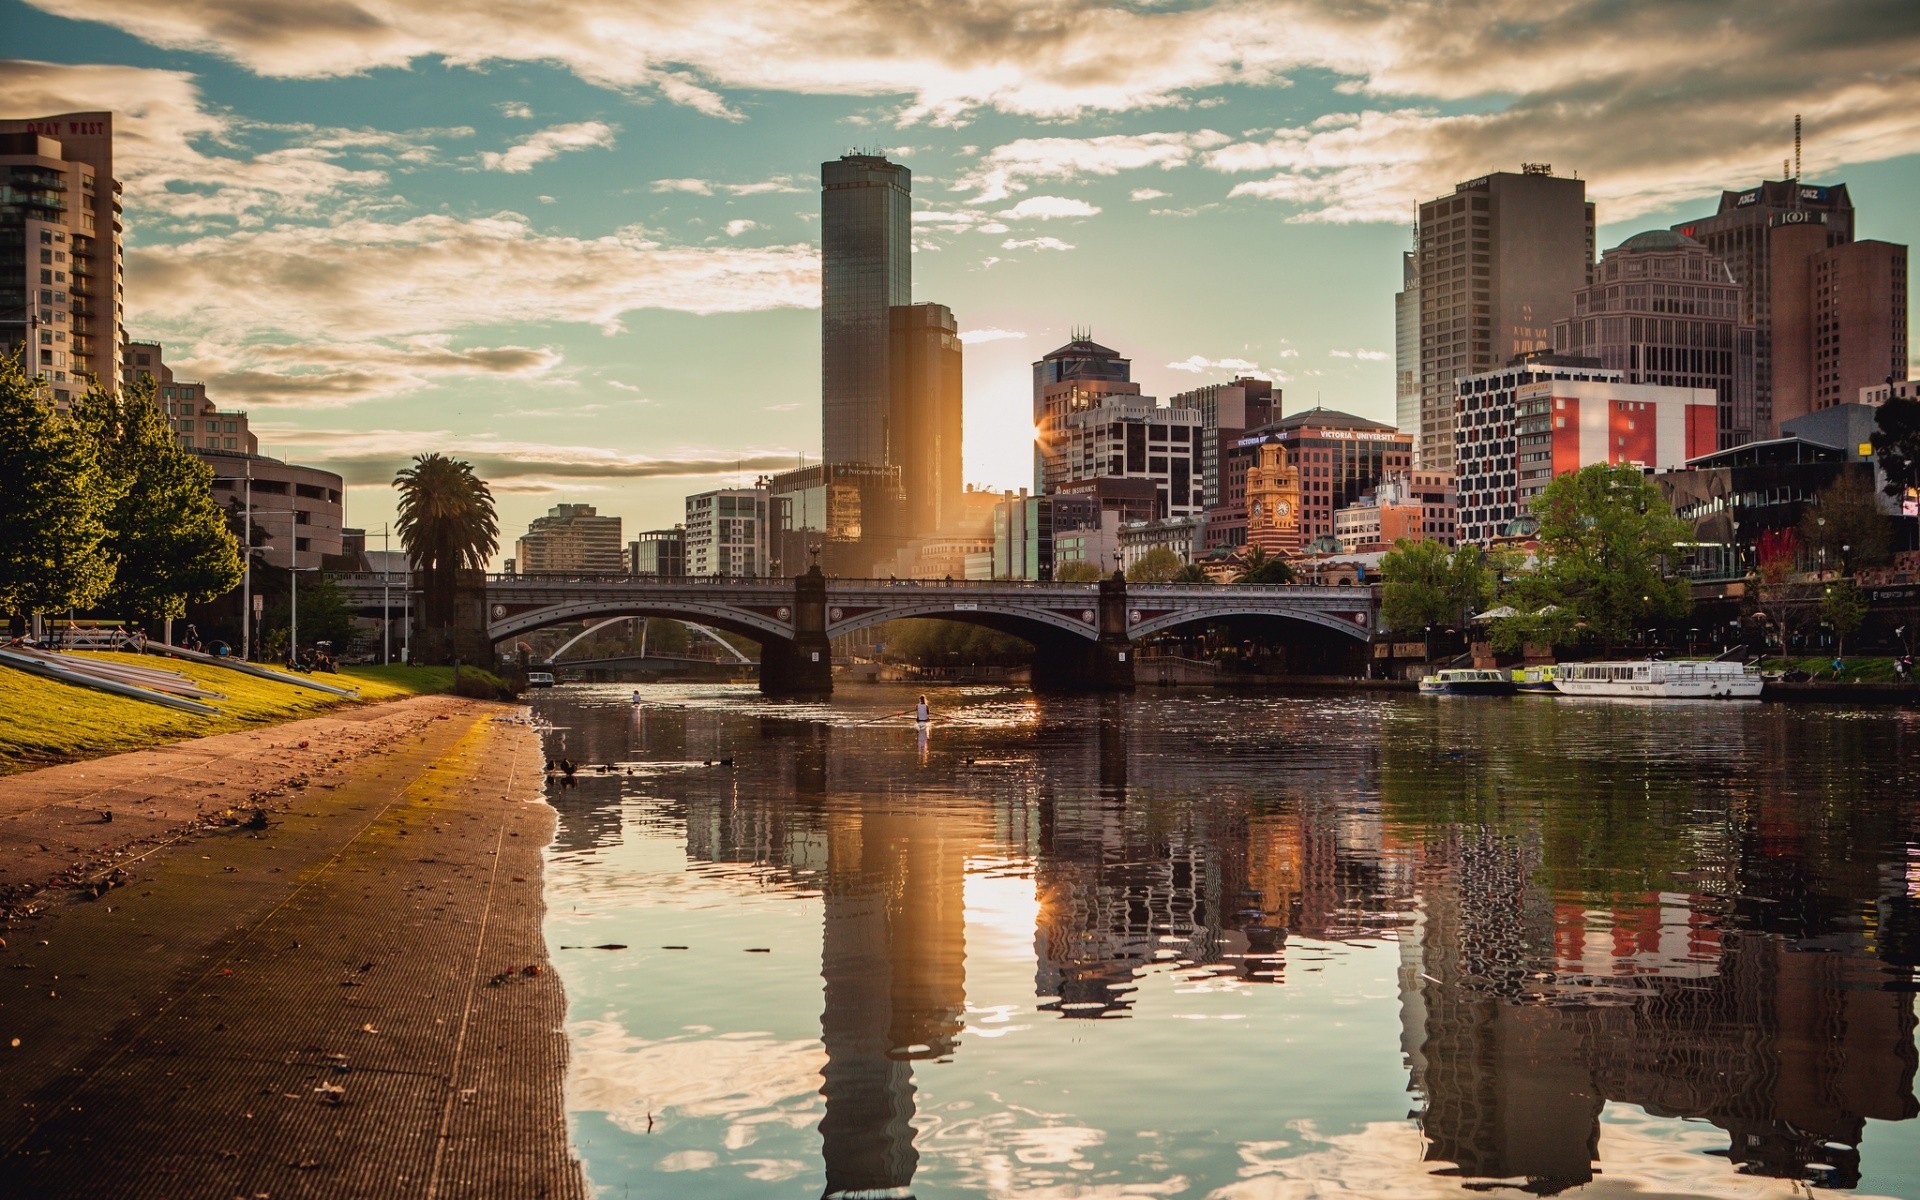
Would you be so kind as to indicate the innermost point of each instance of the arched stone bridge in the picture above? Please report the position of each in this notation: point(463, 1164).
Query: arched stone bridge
point(1083, 632)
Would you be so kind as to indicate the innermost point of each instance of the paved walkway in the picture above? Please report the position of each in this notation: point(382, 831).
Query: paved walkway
point(353, 1001)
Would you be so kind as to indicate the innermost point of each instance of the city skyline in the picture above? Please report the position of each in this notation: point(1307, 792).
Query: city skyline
point(577, 246)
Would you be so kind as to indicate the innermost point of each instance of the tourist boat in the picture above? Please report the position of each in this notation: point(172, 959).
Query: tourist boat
point(1468, 681)
point(1657, 679)
point(539, 678)
point(1535, 681)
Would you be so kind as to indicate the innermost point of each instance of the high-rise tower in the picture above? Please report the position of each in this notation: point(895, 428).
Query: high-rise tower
point(866, 268)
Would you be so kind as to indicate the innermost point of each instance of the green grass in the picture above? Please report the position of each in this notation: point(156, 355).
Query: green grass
point(1862, 670)
point(43, 721)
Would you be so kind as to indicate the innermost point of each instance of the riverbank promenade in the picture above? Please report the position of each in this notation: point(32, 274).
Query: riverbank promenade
point(298, 961)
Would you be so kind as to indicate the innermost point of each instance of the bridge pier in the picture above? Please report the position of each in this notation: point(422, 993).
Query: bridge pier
point(803, 666)
point(1105, 665)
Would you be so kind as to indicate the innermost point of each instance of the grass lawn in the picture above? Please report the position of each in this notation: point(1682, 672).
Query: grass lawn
point(1862, 670)
point(43, 721)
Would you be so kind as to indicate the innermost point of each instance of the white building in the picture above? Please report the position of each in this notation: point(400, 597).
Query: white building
point(727, 532)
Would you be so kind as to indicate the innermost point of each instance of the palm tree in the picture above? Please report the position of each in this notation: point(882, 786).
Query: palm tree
point(447, 524)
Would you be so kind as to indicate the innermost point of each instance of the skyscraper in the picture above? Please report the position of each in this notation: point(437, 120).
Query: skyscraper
point(1499, 261)
point(1406, 347)
point(866, 268)
point(1080, 361)
point(1740, 233)
point(60, 273)
point(923, 420)
point(1839, 319)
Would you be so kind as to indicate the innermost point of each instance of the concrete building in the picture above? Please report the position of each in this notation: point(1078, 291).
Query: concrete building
point(1549, 415)
point(658, 553)
point(1839, 319)
point(572, 539)
point(298, 509)
point(1900, 389)
point(199, 424)
point(61, 290)
point(726, 531)
point(1184, 536)
point(1082, 361)
point(924, 415)
point(846, 516)
point(1740, 232)
point(1499, 261)
point(1340, 457)
point(1093, 434)
point(1418, 506)
point(1027, 531)
point(1406, 346)
point(1663, 308)
point(866, 269)
point(1227, 411)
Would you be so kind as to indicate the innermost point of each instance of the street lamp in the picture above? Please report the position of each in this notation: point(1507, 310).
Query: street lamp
point(293, 612)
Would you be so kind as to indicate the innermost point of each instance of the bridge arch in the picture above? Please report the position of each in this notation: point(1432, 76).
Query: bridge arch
point(1358, 630)
point(753, 625)
point(1005, 618)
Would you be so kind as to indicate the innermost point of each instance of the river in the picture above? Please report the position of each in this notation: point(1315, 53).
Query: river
point(1235, 947)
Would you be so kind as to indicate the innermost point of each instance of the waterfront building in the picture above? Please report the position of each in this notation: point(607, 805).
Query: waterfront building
point(1406, 345)
point(194, 418)
point(1735, 497)
point(1547, 415)
point(1340, 457)
point(658, 553)
point(1227, 411)
point(866, 269)
point(1663, 308)
point(726, 532)
point(1417, 506)
point(924, 415)
point(61, 290)
point(846, 516)
point(1028, 530)
point(1084, 362)
point(297, 508)
point(572, 539)
point(1740, 232)
point(1185, 536)
point(1499, 261)
point(1839, 319)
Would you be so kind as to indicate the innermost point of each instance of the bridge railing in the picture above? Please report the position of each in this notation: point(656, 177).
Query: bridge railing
point(996, 585)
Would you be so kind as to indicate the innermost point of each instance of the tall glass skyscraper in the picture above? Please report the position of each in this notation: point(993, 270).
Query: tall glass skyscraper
point(866, 240)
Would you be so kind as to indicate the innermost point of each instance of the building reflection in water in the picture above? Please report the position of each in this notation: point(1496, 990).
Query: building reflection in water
point(1571, 933)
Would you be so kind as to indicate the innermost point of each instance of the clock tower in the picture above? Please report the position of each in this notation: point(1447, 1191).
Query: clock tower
point(1273, 502)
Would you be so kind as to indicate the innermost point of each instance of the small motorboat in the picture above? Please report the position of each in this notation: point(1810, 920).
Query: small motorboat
point(1468, 681)
point(1535, 681)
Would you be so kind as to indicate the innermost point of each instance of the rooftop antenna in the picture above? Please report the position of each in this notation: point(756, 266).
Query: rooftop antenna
point(1796, 147)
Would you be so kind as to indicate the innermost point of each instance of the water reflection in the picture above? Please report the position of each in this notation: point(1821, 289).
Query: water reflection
point(1704, 913)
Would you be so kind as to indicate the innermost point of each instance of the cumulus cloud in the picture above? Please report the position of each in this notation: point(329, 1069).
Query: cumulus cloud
point(529, 152)
point(1046, 208)
point(331, 375)
point(370, 456)
point(1013, 167)
point(1364, 355)
point(1035, 243)
point(1196, 364)
point(974, 337)
point(707, 187)
point(1147, 194)
point(516, 110)
point(737, 227)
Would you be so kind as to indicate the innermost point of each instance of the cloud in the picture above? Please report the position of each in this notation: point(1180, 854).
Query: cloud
point(738, 227)
point(1046, 208)
point(706, 187)
point(1196, 364)
point(974, 337)
point(537, 148)
point(515, 109)
point(1011, 168)
point(1035, 243)
point(1364, 355)
point(335, 374)
point(370, 456)
point(1147, 194)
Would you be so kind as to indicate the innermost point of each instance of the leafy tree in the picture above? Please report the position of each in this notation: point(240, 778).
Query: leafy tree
point(1896, 443)
point(1429, 584)
point(1192, 573)
point(1605, 534)
point(1077, 571)
point(53, 500)
point(931, 643)
point(1843, 606)
point(1845, 527)
point(447, 524)
point(1265, 569)
point(169, 538)
point(1784, 602)
point(1158, 565)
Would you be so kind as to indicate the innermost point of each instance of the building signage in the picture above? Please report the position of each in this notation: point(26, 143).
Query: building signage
point(1799, 216)
point(73, 128)
point(1354, 435)
point(1746, 198)
point(1816, 194)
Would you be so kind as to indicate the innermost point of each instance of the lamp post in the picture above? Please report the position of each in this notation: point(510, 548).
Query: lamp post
point(293, 612)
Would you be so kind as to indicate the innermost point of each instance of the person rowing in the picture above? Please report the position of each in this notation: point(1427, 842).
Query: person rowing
point(921, 713)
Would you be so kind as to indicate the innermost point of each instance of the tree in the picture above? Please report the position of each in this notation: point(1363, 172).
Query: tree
point(447, 524)
point(1843, 606)
point(170, 540)
point(1077, 571)
point(1845, 528)
point(1896, 443)
point(1265, 569)
point(1428, 584)
point(1192, 573)
point(53, 535)
point(1605, 534)
point(1158, 565)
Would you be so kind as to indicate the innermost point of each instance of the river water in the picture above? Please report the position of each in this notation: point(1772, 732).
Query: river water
point(1193, 944)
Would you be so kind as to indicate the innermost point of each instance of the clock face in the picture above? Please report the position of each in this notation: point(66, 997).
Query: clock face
point(1282, 509)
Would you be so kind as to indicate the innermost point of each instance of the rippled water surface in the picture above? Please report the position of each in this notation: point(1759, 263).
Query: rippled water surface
point(1235, 948)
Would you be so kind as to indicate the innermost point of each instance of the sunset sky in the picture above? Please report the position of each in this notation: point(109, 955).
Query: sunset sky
point(576, 241)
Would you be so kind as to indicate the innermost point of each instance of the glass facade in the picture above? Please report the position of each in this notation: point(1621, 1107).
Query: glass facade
point(866, 268)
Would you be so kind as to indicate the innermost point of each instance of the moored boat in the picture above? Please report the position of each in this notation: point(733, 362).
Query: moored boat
point(1535, 681)
point(1468, 681)
point(1660, 679)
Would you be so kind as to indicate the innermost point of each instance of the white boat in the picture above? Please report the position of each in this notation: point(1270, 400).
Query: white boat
point(539, 678)
point(1468, 681)
point(1658, 679)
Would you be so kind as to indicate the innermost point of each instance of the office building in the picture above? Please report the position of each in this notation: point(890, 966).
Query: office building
point(1740, 232)
point(924, 418)
point(60, 272)
point(1128, 438)
point(1184, 536)
point(845, 516)
point(1549, 415)
point(1899, 389)
point(1839, 319)
point(572, 539)
point(1339, 457)
point(297, 510)
point(1406, 345)
point(1663, 308)
point(1417, 506)
point(1028, 531)
point(193, 417)
point(866, 269)
point(726, 532)
point(1499, 261)
point(658, 554)
point(1227, 411)
point(1080, 371)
